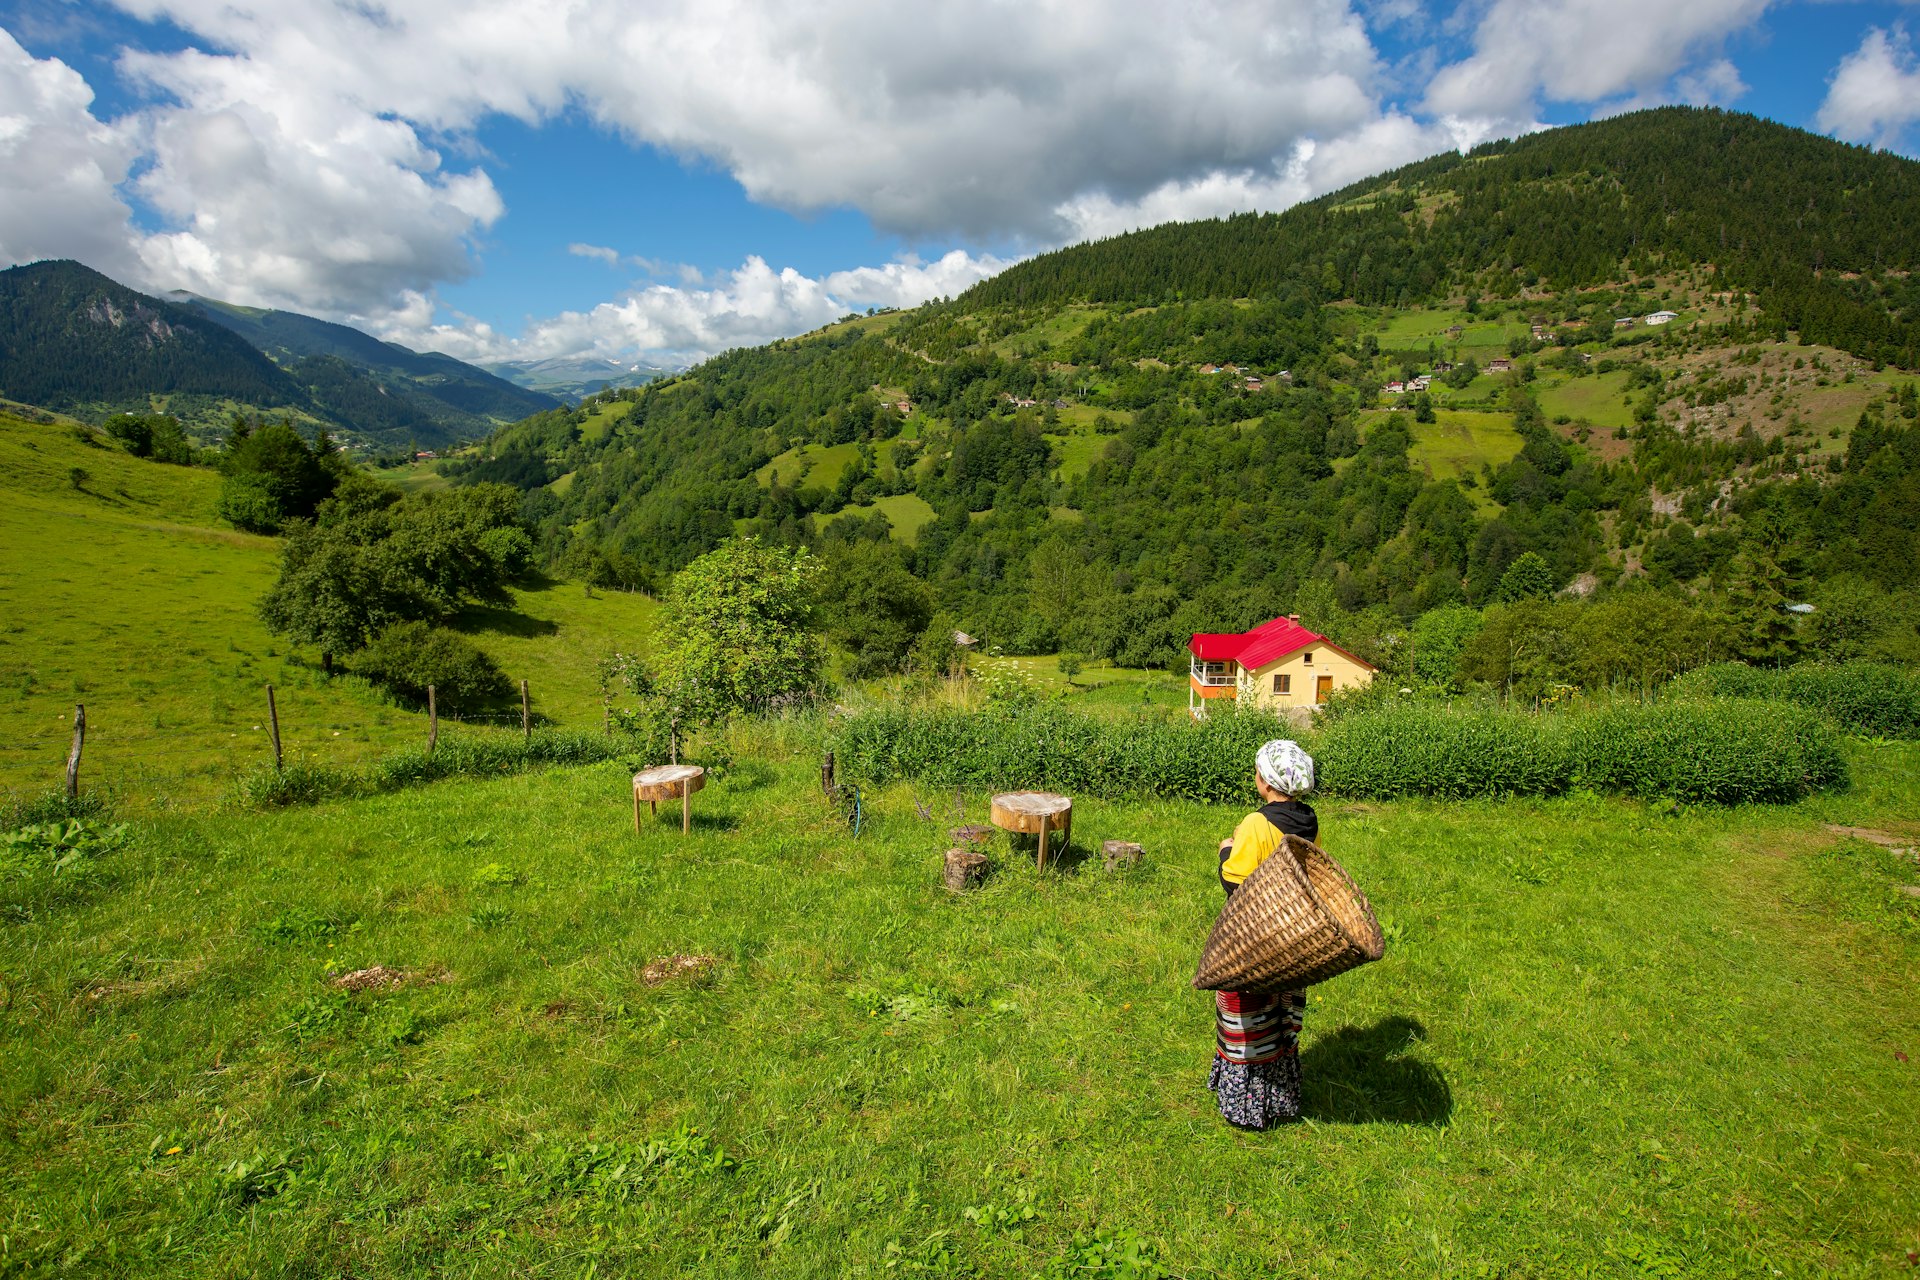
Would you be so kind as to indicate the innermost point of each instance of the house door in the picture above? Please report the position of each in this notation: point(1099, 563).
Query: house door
point(1322, 689)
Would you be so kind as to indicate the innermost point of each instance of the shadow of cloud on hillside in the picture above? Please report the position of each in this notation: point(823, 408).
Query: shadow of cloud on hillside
point(505, 622)
point(1367, 1075)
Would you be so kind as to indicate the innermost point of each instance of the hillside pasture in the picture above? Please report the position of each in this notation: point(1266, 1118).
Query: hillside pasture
point(908, 513)
point(124, 595)
point(808, 466)
point(1074, 452)
point(1685, 1055)
point(1601, 400)
point(1414, 329)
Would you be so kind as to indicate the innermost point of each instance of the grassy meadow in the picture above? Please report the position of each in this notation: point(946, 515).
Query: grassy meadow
point(1606, 1040)
point(122, 593)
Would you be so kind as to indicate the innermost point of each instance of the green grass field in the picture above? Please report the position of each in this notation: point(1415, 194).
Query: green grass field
point(1604, 1041)
point(809, 466)
point(125, 596)
point(1096, 686)
point(604, 418)
point(1076, 452)
point(413, 478)
point(1417, 328)
point(908, 513)
point(1601, 400)
point(1458, 442)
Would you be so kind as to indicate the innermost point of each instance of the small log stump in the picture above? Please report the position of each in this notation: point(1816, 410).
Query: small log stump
point(668, 782)
point(1120, 853)
point(965, 869)
point(974, 836)
point(1033, 813)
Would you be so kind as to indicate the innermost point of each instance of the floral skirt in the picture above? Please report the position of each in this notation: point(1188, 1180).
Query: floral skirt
point(1256, 1065)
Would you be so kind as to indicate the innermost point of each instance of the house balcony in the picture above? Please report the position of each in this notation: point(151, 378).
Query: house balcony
point(1213, 679)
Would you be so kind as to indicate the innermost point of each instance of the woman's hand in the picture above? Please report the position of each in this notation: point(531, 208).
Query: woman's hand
point(1226, 844)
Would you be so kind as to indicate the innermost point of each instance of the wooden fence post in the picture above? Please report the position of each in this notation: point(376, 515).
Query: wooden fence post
point(433, 721)
point(73, 756)
point(526, 718)
point(273, 724)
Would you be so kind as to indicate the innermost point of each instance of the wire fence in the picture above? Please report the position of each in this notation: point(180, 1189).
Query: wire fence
point(195, 761)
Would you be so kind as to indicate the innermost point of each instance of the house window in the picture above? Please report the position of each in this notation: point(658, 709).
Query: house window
point(1309, 658)
point(1282, 683)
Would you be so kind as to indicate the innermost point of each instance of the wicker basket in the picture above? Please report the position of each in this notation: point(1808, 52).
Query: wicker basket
point(1297, 920)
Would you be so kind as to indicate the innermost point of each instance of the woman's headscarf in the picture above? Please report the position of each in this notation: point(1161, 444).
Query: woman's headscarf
point(1285, 766)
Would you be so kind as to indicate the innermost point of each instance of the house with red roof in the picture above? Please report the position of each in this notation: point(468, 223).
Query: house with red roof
point(1279, 666)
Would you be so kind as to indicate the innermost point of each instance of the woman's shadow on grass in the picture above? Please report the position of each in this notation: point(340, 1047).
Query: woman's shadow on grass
point(1368, 1075)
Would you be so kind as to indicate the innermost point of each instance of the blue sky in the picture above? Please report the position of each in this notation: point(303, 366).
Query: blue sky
point(505, 180)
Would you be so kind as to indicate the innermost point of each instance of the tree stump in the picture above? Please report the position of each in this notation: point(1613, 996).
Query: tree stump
point(974, 836)
point(1033, 813)
point(668, 782)
point(1120, 853)
point(965, 869)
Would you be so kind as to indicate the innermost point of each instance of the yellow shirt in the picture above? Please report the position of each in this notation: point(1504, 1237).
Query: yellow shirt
point(1253, 840)
point(1257, 836)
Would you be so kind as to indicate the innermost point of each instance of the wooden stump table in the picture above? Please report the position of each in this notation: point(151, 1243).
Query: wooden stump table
point(1033, 813)
point(668, 782)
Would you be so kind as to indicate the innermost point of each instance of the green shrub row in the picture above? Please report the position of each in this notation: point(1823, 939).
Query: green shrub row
point(462, 755)
point(1041, 746)
point(1720, 751)
point(1861, 697)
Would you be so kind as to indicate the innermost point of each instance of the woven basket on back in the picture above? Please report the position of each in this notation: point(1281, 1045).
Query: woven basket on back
point(1297, 920)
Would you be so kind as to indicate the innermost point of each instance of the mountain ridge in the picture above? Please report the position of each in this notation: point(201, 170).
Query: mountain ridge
point(74, 340)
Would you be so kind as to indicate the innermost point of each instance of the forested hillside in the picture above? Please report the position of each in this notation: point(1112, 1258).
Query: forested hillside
point(73, 340)
point(1665, 351)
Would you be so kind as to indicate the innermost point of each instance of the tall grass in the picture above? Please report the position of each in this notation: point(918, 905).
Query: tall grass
point(1724, 751)
point(464, 755)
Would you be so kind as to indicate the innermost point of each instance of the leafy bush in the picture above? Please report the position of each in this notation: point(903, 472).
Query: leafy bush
point(1723, 752)
point(1434, 751)
point(1861, 697)
point(409, 656)
point(1039, 745)
point(45, 865)
point(245, 502)
point(511, 551)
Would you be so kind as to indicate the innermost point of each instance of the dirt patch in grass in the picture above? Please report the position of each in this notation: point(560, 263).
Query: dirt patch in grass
point(667, 968)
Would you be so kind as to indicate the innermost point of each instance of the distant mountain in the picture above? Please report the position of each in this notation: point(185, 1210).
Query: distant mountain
point(467, 393)
point(573, 378)
point(73, 340)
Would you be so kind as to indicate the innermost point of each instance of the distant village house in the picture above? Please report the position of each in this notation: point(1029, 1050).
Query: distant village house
point(1278, 666)
point(1663, 317)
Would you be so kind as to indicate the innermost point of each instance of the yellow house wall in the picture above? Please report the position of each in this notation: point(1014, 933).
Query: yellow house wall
point(1346, 673)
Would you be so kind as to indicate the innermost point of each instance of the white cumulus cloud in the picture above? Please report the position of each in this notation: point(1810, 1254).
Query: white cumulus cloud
point(1589, 51)
point(750, 305)
point(62, 167)
point(1875, 91)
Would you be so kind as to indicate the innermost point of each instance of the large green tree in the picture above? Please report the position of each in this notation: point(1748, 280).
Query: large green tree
point(738, 630)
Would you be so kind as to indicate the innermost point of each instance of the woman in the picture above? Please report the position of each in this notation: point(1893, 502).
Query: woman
point(1256, 1063)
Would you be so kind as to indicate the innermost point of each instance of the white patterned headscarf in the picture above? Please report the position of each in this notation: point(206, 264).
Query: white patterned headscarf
point(1285, 766)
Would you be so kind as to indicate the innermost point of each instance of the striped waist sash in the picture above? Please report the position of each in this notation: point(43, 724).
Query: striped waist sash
point(1256, 1028)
